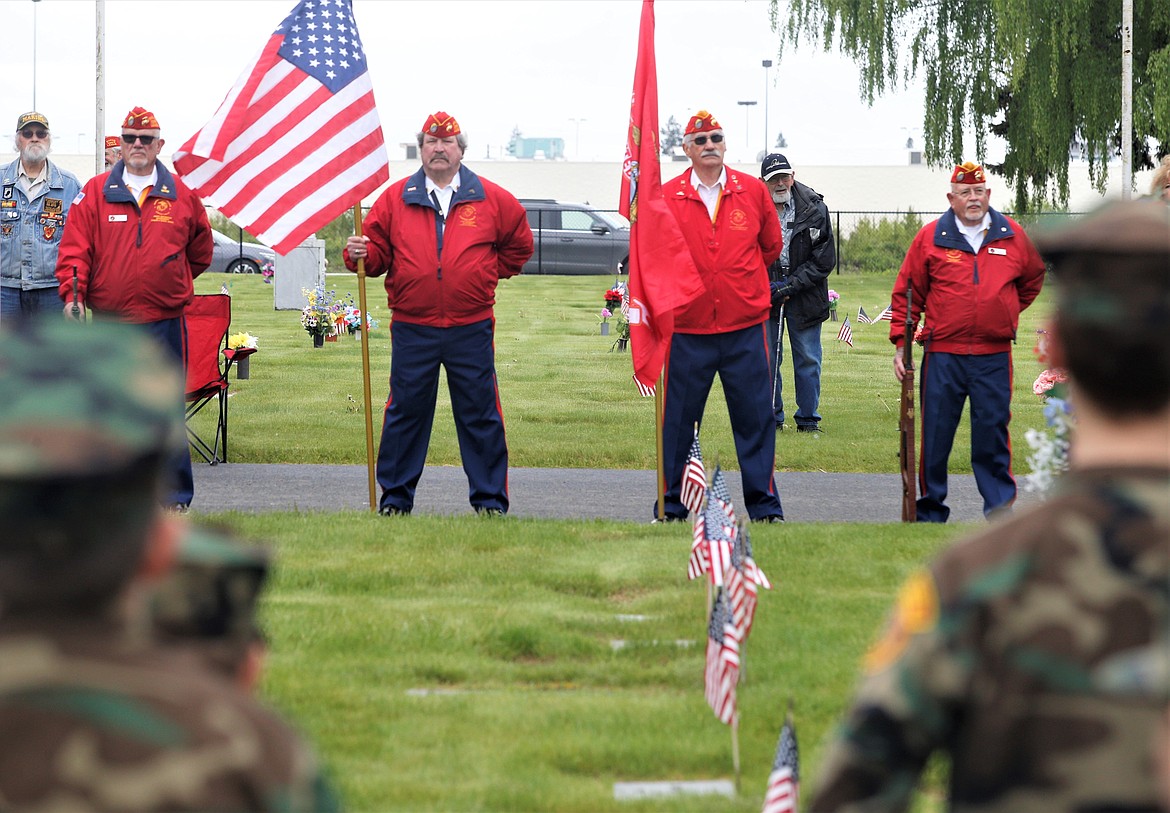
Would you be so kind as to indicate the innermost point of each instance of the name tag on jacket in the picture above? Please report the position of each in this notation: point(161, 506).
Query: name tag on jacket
point(118, 218)
point(994, 250)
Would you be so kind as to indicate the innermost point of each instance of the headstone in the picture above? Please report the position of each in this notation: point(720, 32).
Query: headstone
point(303, 267)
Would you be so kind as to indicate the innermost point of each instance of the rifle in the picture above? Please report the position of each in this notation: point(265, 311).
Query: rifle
point(906, 419)
point(75, 311)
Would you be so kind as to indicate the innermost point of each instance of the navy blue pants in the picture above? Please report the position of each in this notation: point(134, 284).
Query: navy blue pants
point(743, 362)
point(467, 354)
point(946, 381)
point(179, 488)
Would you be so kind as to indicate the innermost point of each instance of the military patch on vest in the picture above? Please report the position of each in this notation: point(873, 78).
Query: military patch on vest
point(7, 204)
point(49, 231)
point(916, 611)
point(53, 206)
point(8, 192)
point(6, 230)
point(466, 215)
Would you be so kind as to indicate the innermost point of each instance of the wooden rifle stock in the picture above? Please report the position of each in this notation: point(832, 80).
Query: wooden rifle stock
point(906, 454)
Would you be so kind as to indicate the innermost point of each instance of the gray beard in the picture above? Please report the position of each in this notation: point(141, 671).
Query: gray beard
point(781, 197)
point(34, 153)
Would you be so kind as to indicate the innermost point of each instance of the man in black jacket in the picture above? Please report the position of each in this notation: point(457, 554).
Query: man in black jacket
point(799, 284)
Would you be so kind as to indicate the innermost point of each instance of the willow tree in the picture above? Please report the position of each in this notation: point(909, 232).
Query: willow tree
point(1043, 74)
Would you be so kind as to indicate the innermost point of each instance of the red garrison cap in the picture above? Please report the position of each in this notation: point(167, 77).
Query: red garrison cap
point(701, 122)
point(140, 119)
point(113, 141)
point(968, 172)
point(441, 125)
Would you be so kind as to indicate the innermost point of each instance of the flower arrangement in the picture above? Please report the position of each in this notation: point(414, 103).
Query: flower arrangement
point(834, 298)
point(352, 320)
point(318, 317)
point(614, 296)
point(603, 317)
point(267, 271)
point(1049, 458)
point(240, 341)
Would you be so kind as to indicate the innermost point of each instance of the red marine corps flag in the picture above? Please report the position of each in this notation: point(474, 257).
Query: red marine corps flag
point(297, 141)
point(663, 276)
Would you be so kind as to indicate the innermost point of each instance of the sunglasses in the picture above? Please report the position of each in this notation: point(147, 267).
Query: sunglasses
point(145, 141)
point(29, 133)
point(715, 139)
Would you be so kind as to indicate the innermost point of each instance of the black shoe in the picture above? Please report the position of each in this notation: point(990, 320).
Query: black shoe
point(393, 511)
point(809, 427)
point(773, 518)
point(668, 518)
point(779, 426)
point(488, 512)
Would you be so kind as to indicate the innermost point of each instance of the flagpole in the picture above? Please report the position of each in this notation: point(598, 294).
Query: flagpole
point(658, 449)
point(365, 334)
point(735, 748)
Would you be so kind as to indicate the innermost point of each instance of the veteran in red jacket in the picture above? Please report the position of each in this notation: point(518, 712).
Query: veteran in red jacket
point(135, 241)
point(731, 228)
point(973, 271)
point(443, 237)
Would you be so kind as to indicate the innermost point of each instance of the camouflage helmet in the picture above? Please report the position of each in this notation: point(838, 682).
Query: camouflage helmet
point(209, 599)
point(83, 400)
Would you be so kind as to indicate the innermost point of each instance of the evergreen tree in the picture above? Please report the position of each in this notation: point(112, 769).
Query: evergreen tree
point(1042, 75)
point(671, 136)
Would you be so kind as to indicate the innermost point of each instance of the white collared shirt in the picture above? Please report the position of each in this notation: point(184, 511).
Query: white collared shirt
point(443, 194)
point(139, 183)
point(710, 194)
point(976, 233)
point(31, 185)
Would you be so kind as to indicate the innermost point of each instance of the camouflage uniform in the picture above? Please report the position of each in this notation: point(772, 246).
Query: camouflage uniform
point(1036, 654)
point(93, 716)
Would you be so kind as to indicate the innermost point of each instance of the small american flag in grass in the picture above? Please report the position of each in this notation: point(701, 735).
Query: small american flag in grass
point(694, 481)
point(784, 781)
point(887, 315)
point(862, 317)
point(846, 333)
point(722, 667)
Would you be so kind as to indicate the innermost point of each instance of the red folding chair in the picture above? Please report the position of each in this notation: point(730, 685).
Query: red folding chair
point(209, 359)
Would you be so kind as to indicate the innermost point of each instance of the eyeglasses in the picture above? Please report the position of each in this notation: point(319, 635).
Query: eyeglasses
point(29, 133)
point(145, 141)
point(715, 139)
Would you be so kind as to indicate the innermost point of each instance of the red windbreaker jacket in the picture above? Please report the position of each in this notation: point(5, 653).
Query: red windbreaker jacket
point(972, 301)
point(137, 264)
point(732, 254)
point(445, 274)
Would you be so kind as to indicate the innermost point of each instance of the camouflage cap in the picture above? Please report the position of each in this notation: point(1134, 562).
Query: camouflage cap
point(209, 599)
point(83, 399)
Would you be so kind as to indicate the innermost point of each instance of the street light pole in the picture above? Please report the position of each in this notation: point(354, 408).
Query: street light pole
point(767, 63)
point(34, 104)
point(577, 144)
point(747, 126)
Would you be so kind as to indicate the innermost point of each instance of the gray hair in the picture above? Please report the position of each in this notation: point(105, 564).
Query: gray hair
point(460, 139)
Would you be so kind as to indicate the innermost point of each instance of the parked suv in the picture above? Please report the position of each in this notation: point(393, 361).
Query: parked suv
point(575, 238)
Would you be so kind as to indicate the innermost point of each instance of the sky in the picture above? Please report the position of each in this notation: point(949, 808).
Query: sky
point(552, 68)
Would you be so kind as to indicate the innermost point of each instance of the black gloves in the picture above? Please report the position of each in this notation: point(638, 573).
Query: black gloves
point(782, 291)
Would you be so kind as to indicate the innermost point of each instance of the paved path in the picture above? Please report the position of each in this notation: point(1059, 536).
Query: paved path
point(620, 494)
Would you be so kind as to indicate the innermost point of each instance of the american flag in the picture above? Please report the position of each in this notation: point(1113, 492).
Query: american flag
point(846, 333)
point(722, 668)
point(722, 492)
point(748, 578)
point(700, 561)
point(694, 479)
point(223, 289)
point(297, 140)
point(751, 569)
point(887, 315)
point(784, 781)
point(862, 318)
point(719, 533)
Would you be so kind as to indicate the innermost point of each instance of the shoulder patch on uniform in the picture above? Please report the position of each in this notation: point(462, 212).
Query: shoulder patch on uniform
point(80, 197)
point(915, 611)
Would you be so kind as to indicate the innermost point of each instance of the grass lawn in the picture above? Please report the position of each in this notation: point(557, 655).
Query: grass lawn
point(448, 663)
point(568, 400)
point(507, 628)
